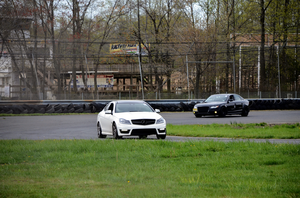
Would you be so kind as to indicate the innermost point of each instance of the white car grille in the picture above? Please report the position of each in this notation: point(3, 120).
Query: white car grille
point(143, 121)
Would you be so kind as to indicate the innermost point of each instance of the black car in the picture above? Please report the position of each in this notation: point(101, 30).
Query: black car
point(221, 105)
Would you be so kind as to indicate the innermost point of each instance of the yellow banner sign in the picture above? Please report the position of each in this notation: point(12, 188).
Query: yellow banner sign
point(127, 49)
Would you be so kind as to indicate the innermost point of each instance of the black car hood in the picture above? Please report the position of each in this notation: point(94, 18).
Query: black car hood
point(204, 104)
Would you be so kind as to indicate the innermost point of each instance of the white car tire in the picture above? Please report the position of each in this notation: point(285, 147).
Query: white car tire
point(115, 132)
point(99, 131)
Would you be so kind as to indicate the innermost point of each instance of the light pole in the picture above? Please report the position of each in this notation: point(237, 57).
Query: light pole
point(187, 71)
point(187, 76)
point(278, 67)
point(140, 50)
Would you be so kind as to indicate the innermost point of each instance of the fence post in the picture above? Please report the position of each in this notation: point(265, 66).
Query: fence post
point(260, 94)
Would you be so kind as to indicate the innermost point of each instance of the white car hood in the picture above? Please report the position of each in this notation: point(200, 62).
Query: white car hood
point(138, 115)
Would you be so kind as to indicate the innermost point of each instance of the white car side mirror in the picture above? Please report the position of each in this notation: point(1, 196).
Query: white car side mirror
point(157, 111)
point(108, 112)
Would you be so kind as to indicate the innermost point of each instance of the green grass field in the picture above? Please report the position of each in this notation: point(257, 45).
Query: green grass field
point(234, 130)
point(148, 168)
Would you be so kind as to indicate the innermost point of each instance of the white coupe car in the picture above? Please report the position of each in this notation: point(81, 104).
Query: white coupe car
point(130, 118)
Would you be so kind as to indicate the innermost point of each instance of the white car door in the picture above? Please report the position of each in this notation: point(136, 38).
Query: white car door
point(107, 119)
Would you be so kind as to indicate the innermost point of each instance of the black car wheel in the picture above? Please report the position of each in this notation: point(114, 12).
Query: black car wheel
point(115, 132)
point(245, 111)
point(223, 112)
point(99, 131)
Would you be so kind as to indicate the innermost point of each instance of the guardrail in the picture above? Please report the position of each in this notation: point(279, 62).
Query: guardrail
point(90, 106)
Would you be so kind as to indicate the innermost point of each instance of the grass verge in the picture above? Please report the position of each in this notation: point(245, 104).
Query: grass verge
point(143, 168)
point(234, 130)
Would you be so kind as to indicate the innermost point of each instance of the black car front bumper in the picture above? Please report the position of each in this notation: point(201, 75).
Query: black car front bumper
point(206, 111)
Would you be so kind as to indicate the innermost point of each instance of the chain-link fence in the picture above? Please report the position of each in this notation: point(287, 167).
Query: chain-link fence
point(127, 95)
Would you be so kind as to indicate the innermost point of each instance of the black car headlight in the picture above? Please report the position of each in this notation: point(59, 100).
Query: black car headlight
point(214, 107)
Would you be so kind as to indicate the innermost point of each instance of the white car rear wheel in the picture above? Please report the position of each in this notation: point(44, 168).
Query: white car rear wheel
point(99, 131)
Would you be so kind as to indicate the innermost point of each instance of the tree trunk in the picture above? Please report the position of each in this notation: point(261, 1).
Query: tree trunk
point(74, 47)
point(34, 79)
point(56, 50)
point(262, 47)
point(197, 84)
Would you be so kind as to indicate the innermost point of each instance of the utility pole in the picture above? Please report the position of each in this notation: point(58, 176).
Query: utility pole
point(140, 50)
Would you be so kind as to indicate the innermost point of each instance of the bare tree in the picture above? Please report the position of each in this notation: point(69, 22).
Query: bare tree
point(263, 9)
point(15, 21)
point(107, 25)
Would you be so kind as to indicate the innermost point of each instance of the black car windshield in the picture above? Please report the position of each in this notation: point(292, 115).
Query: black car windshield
point(132, 107)
point(216, 98)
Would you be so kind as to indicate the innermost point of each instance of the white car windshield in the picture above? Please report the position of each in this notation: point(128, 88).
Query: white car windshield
point(132, 107)
point(217, 98)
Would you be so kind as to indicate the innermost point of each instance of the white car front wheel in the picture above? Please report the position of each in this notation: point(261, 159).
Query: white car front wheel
point(115, 132)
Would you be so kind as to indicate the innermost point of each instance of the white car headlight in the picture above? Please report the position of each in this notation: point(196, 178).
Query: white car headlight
point(160, 121)
point(214, 107)
point(124, 121)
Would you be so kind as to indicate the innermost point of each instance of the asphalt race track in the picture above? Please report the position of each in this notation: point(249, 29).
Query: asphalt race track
point(84, 126)
point(270, 117)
